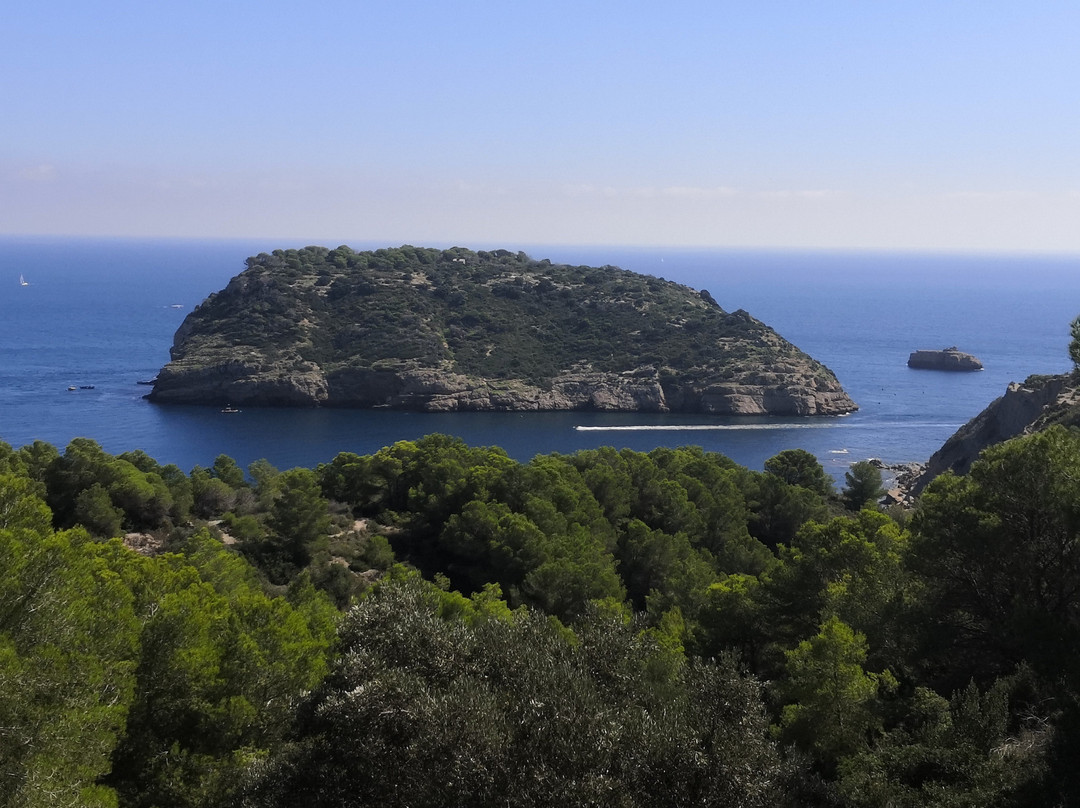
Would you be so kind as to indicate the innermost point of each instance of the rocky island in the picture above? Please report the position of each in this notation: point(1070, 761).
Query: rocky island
point(945, 359)
point(450, 330)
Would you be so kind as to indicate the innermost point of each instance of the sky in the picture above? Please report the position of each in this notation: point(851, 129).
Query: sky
point(944, 125)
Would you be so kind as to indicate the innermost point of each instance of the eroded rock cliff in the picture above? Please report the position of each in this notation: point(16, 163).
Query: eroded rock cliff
point(1024, 408)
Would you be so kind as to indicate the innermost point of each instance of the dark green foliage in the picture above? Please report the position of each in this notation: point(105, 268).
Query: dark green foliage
point(862, 486)
point(94, 511)
point(559, 531)
point(141, 496)
point(226, 470)
point(490, 709)
point(1001, 554)
point(971, 750)
point(1074, 343)
point(799, 467)
point(298, 515)
point(210, 496)
point(778, 509)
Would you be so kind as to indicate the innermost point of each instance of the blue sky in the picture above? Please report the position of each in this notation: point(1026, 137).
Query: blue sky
point(884, 125)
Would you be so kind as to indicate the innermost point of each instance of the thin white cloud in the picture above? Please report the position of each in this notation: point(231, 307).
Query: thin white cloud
point(804, 194)
point(606, 191)
point(649, 192)
point(480, 188)
point(580, 189)
point(991, 196)
point(185, 183)
point(690, 192)
point(43, 172)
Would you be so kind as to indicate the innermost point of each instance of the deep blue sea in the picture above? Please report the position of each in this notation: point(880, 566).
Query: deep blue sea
point(103, 313)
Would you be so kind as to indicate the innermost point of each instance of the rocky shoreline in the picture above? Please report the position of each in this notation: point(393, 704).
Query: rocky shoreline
point(784, 391)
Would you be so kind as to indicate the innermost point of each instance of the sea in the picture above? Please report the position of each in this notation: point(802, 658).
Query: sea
point(99, 315)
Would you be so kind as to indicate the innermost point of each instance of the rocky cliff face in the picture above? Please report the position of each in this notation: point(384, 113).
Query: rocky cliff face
point(257, 383)
point(1025, 408)
point(446, 331)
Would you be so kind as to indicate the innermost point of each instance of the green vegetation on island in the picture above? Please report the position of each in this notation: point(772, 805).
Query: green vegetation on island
point(432, 329)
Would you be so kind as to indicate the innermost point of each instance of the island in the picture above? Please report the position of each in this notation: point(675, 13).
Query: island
point(436, 330)
point(945, 359)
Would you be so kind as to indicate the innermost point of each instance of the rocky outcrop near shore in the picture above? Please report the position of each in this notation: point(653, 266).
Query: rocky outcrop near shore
point(453, 330)
point(947, 359)
point(1024, 408)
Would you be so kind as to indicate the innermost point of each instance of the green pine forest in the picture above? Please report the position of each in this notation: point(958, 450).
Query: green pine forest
point(439, 625)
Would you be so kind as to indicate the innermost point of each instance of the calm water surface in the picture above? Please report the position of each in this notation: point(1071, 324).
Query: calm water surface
point(103, 313)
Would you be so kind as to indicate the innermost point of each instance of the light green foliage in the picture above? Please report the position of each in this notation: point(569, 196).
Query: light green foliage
point(832, 709)
point(67, 639)
point(734, 618)
point(10, 461)
point(176, 679)
point(221, 664)
point(36, 458)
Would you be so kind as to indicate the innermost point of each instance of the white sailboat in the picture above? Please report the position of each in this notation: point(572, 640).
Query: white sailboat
point(23, 281)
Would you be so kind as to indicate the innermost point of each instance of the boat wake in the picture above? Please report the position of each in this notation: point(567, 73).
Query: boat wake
point(699, 427)
point(755, 427)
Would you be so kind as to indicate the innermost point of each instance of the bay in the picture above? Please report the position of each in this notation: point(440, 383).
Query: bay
point(103, 313)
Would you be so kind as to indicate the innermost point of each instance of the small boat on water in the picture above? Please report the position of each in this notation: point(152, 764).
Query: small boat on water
point(229, 409)
point(72, 387)
point(23, 281)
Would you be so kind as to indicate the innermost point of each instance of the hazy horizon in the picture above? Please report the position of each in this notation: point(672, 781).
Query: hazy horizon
point(779, 125)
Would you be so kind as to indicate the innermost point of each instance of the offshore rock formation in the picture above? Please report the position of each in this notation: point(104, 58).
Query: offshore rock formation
point(1025, 408)
point(455, 330)
point(946, 359)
